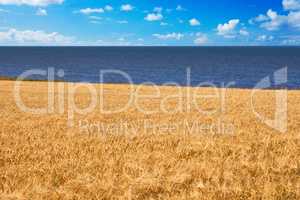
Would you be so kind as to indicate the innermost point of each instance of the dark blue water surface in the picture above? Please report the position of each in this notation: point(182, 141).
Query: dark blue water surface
point(218, 65)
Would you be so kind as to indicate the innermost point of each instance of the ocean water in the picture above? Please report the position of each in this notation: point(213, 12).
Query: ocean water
point(239, 67)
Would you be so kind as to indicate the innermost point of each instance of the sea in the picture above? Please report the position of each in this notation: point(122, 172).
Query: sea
point(234, 67)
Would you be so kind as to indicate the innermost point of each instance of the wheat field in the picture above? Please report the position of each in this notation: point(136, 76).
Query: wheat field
point(90, 156)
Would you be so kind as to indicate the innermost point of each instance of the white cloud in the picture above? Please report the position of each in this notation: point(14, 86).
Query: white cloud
point(127, 7)
point(201, 39)
point(31, 2)
point(158, 9)
point(121, 41)
point(180, 8)
point(108, 8)
point(95, 17)
point(194, 22)
point(227, 29)
point(264, 38)
point(291, 40)
point(3, 10)
point(14, 36)
point(41, 12)
point(164, 24)
point(244, 32)
point(95, 22)
point(291, 4)
point(88, 11)
point(259, 18)
point(170, 36)
point(294, 19)
point(154, 17)
point(274, 22)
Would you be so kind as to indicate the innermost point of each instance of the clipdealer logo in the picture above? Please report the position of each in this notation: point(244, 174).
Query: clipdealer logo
point(279, 122)
point(279, 77)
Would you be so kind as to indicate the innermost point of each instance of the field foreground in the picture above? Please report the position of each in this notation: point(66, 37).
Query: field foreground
point(222, 151)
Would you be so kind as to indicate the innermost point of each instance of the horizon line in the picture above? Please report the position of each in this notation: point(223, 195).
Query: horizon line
point(1, 46)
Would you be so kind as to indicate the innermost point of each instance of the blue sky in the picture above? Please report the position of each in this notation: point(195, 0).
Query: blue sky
point(149, 22)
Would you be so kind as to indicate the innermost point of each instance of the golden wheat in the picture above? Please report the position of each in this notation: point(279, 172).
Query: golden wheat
point(41, 157)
